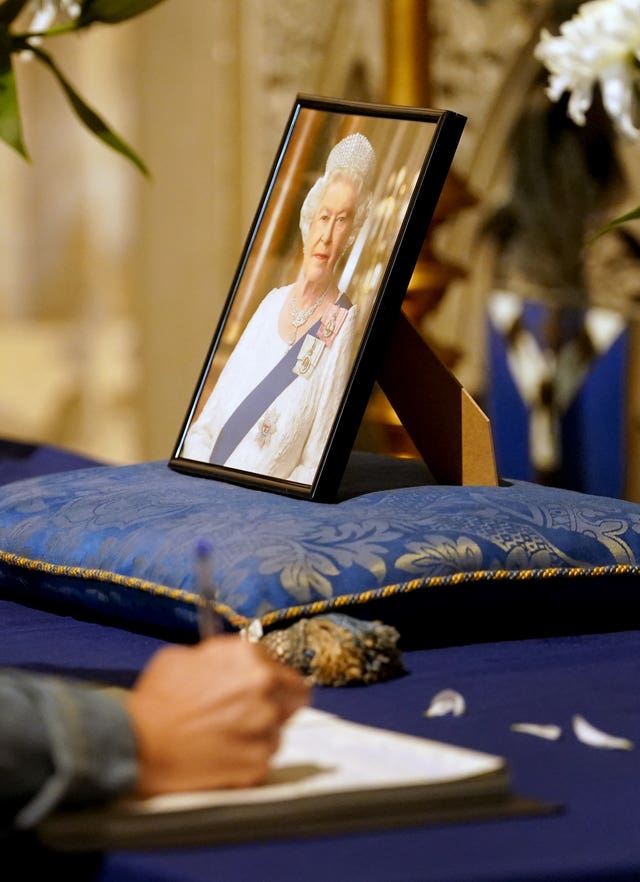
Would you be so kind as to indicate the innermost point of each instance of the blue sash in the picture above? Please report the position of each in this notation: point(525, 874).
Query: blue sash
point(257, 401)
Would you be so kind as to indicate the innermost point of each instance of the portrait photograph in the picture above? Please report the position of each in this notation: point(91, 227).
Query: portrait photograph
point(322, 275)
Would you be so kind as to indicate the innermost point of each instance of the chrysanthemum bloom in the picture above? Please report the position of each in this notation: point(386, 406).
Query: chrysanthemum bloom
point(600, 44)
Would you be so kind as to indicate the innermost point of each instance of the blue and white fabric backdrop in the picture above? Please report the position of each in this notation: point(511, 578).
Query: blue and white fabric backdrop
point(556, 393)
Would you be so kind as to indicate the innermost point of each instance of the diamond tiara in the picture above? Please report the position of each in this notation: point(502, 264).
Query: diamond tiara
point(353, 153)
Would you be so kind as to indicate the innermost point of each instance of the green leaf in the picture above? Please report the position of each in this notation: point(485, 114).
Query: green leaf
point(89, 117)
point(634, 214)
point(113, 11)
point(11, 9)
point(10, 125)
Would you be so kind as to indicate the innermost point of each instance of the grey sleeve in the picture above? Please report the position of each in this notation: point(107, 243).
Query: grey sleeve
point(60, 742)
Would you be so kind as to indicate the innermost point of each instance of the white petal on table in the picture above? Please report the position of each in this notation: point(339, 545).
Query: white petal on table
point(549, 731)
point(448, 701)
point(253, 631)
point(588, 734)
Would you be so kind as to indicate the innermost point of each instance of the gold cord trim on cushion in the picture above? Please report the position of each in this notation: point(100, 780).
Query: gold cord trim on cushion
point(238, 620)
point(323, 606)
point(107, 576)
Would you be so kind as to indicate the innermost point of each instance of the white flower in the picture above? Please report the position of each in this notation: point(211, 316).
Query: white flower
point(48, 12)
point(600, 44)
point(44, 14)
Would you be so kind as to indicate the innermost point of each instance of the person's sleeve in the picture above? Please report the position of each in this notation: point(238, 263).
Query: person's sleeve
point(61, 742)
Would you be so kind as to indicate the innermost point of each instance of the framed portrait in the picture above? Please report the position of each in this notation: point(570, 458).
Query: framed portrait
point(316, 295)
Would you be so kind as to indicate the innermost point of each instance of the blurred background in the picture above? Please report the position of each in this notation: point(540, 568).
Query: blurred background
point(111, 284)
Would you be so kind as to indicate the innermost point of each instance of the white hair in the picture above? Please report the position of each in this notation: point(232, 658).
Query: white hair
point(353, 160)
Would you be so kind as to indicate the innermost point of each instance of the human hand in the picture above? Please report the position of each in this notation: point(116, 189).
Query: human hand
point(210, 716)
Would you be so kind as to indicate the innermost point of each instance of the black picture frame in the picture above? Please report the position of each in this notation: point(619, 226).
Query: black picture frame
point(413, 148)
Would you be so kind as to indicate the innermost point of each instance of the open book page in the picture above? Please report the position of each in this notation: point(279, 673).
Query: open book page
point(321, 753)
point(329, 776)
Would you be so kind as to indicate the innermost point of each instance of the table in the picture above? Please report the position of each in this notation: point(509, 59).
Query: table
point(594, 836)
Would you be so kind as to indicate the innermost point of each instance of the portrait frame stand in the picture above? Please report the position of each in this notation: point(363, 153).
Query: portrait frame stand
point(446, 425)
point(288, 425)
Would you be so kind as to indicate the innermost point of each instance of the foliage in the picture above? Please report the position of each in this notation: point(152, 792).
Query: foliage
point(46, 20)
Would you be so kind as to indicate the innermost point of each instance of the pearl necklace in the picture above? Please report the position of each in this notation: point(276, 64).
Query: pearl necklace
point(298, 318)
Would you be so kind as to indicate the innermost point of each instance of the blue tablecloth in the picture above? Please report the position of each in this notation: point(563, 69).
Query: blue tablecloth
point(19, 460)
point(594, 837)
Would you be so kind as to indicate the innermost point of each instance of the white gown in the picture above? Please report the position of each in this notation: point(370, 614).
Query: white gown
point(288, 438)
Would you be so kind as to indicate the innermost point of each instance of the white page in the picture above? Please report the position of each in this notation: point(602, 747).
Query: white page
point(322, 753)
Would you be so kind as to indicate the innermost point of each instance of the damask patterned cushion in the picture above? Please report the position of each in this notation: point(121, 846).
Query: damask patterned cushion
point(440, 563)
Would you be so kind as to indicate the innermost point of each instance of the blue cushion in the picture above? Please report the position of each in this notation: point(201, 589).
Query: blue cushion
point(440, 563)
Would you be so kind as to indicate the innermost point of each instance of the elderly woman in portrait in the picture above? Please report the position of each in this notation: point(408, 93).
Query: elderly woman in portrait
point(274, 403)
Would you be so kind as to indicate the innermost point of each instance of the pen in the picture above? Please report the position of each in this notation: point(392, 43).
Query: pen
point(210, 622)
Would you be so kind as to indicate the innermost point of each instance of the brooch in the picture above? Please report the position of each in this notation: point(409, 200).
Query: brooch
point(332, 320)
point(308, 357)
point(266, 427)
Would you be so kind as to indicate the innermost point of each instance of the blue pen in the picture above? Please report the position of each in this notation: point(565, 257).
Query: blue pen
point(210, 622)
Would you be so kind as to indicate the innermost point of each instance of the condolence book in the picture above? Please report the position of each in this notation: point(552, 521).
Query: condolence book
point(328, 776)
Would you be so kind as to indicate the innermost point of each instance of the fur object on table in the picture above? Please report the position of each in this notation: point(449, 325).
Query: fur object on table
point(338, 650)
